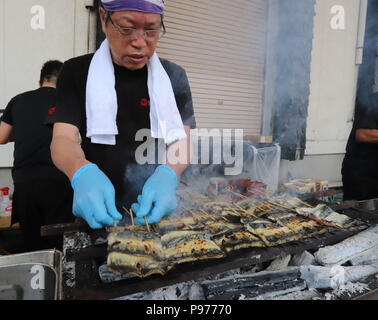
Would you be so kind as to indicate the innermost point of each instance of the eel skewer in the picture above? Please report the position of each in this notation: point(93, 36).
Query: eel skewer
point(238, 194)
point(148, 227)
point(279, 205)
point(245, 211)
point(304, 203)
point(209, 215)
point(131, 215)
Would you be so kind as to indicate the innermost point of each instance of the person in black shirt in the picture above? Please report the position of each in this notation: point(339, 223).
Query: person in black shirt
point(106, 175)
point(359, 167)
point(42, 194)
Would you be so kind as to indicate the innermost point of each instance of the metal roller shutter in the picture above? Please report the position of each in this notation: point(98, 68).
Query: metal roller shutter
point(222, 48)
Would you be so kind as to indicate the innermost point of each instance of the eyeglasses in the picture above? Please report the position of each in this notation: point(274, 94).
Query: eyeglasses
point(133, 34)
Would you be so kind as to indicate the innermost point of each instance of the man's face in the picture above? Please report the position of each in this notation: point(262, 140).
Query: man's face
point(132, 54)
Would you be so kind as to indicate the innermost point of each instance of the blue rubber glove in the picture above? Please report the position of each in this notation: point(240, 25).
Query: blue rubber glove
point(158, 197)
point(94, 197)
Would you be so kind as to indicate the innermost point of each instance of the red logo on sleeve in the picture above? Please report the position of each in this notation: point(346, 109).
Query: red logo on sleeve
point(144, 102)
point(51, 111)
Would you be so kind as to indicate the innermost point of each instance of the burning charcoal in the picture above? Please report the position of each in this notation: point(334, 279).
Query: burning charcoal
point(349, 248)
point(347, 290)
point(178, 291)
point(303, 259)
point(292, 287)
point(279, 263)
point(253, 285)
point(332, 277)
point(296, 295)
point(196, 292)
point(366, 258)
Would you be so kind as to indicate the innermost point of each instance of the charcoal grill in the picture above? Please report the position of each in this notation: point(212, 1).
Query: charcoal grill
point(88, 284)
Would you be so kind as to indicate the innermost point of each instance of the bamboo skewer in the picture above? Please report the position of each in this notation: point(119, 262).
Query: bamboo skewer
point(238, 194)
point(279, 205)
point(207, 214)
point(148, 227)
point(131, 215)
point(306, 204)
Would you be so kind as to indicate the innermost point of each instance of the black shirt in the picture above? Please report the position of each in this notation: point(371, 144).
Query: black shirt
point(118, 161)
point(366, 117)
point(359, 168)
point(27, 114)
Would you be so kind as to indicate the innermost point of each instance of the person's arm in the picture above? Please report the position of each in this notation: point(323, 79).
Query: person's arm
point(180, 152)
point(5, 132)
point(94, 194)
point(66, 151)
point(158, 196)
point(367, 135)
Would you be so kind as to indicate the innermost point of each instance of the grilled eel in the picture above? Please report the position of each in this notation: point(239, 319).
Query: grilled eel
point(186, 222)
point(326, 216)
point(237, 240)
point(184, 246)
point(217, 228)
point(136, 242)
point(274, 233)
point(136, 252)
point(141, 266)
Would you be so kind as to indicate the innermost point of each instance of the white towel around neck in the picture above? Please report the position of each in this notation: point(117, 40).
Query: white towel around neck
point(102, 106)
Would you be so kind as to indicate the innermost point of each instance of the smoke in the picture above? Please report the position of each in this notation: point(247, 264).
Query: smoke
point(367, 92)
point(292, 54)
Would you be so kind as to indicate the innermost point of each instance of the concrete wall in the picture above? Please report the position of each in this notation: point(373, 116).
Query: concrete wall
point(333, 78)
point(32, 32)
point(324, 167)
point(333, 86)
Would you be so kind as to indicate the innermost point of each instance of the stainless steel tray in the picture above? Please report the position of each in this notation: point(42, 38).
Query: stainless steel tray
point(31, 276)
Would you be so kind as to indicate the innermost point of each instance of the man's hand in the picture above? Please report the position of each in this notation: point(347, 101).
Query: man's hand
point(94, 197)
point(158, 197)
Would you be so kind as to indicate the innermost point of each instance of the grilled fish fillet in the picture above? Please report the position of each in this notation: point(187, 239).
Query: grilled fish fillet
point(221, 227)
point(186, 222)
point(184, 246)
point(325, 215)
point(141, 266)
point(278, 233)
point(193, 250)
point(137, 242)
point(237, 240)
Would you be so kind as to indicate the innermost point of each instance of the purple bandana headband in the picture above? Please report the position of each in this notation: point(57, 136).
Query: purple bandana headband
point(149, 6)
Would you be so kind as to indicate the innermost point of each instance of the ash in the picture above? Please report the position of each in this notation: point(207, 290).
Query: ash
point(74, 240)
point(303, 276)
point(349, 289)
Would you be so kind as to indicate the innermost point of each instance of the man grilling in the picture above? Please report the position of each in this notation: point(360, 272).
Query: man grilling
point(106, 98)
